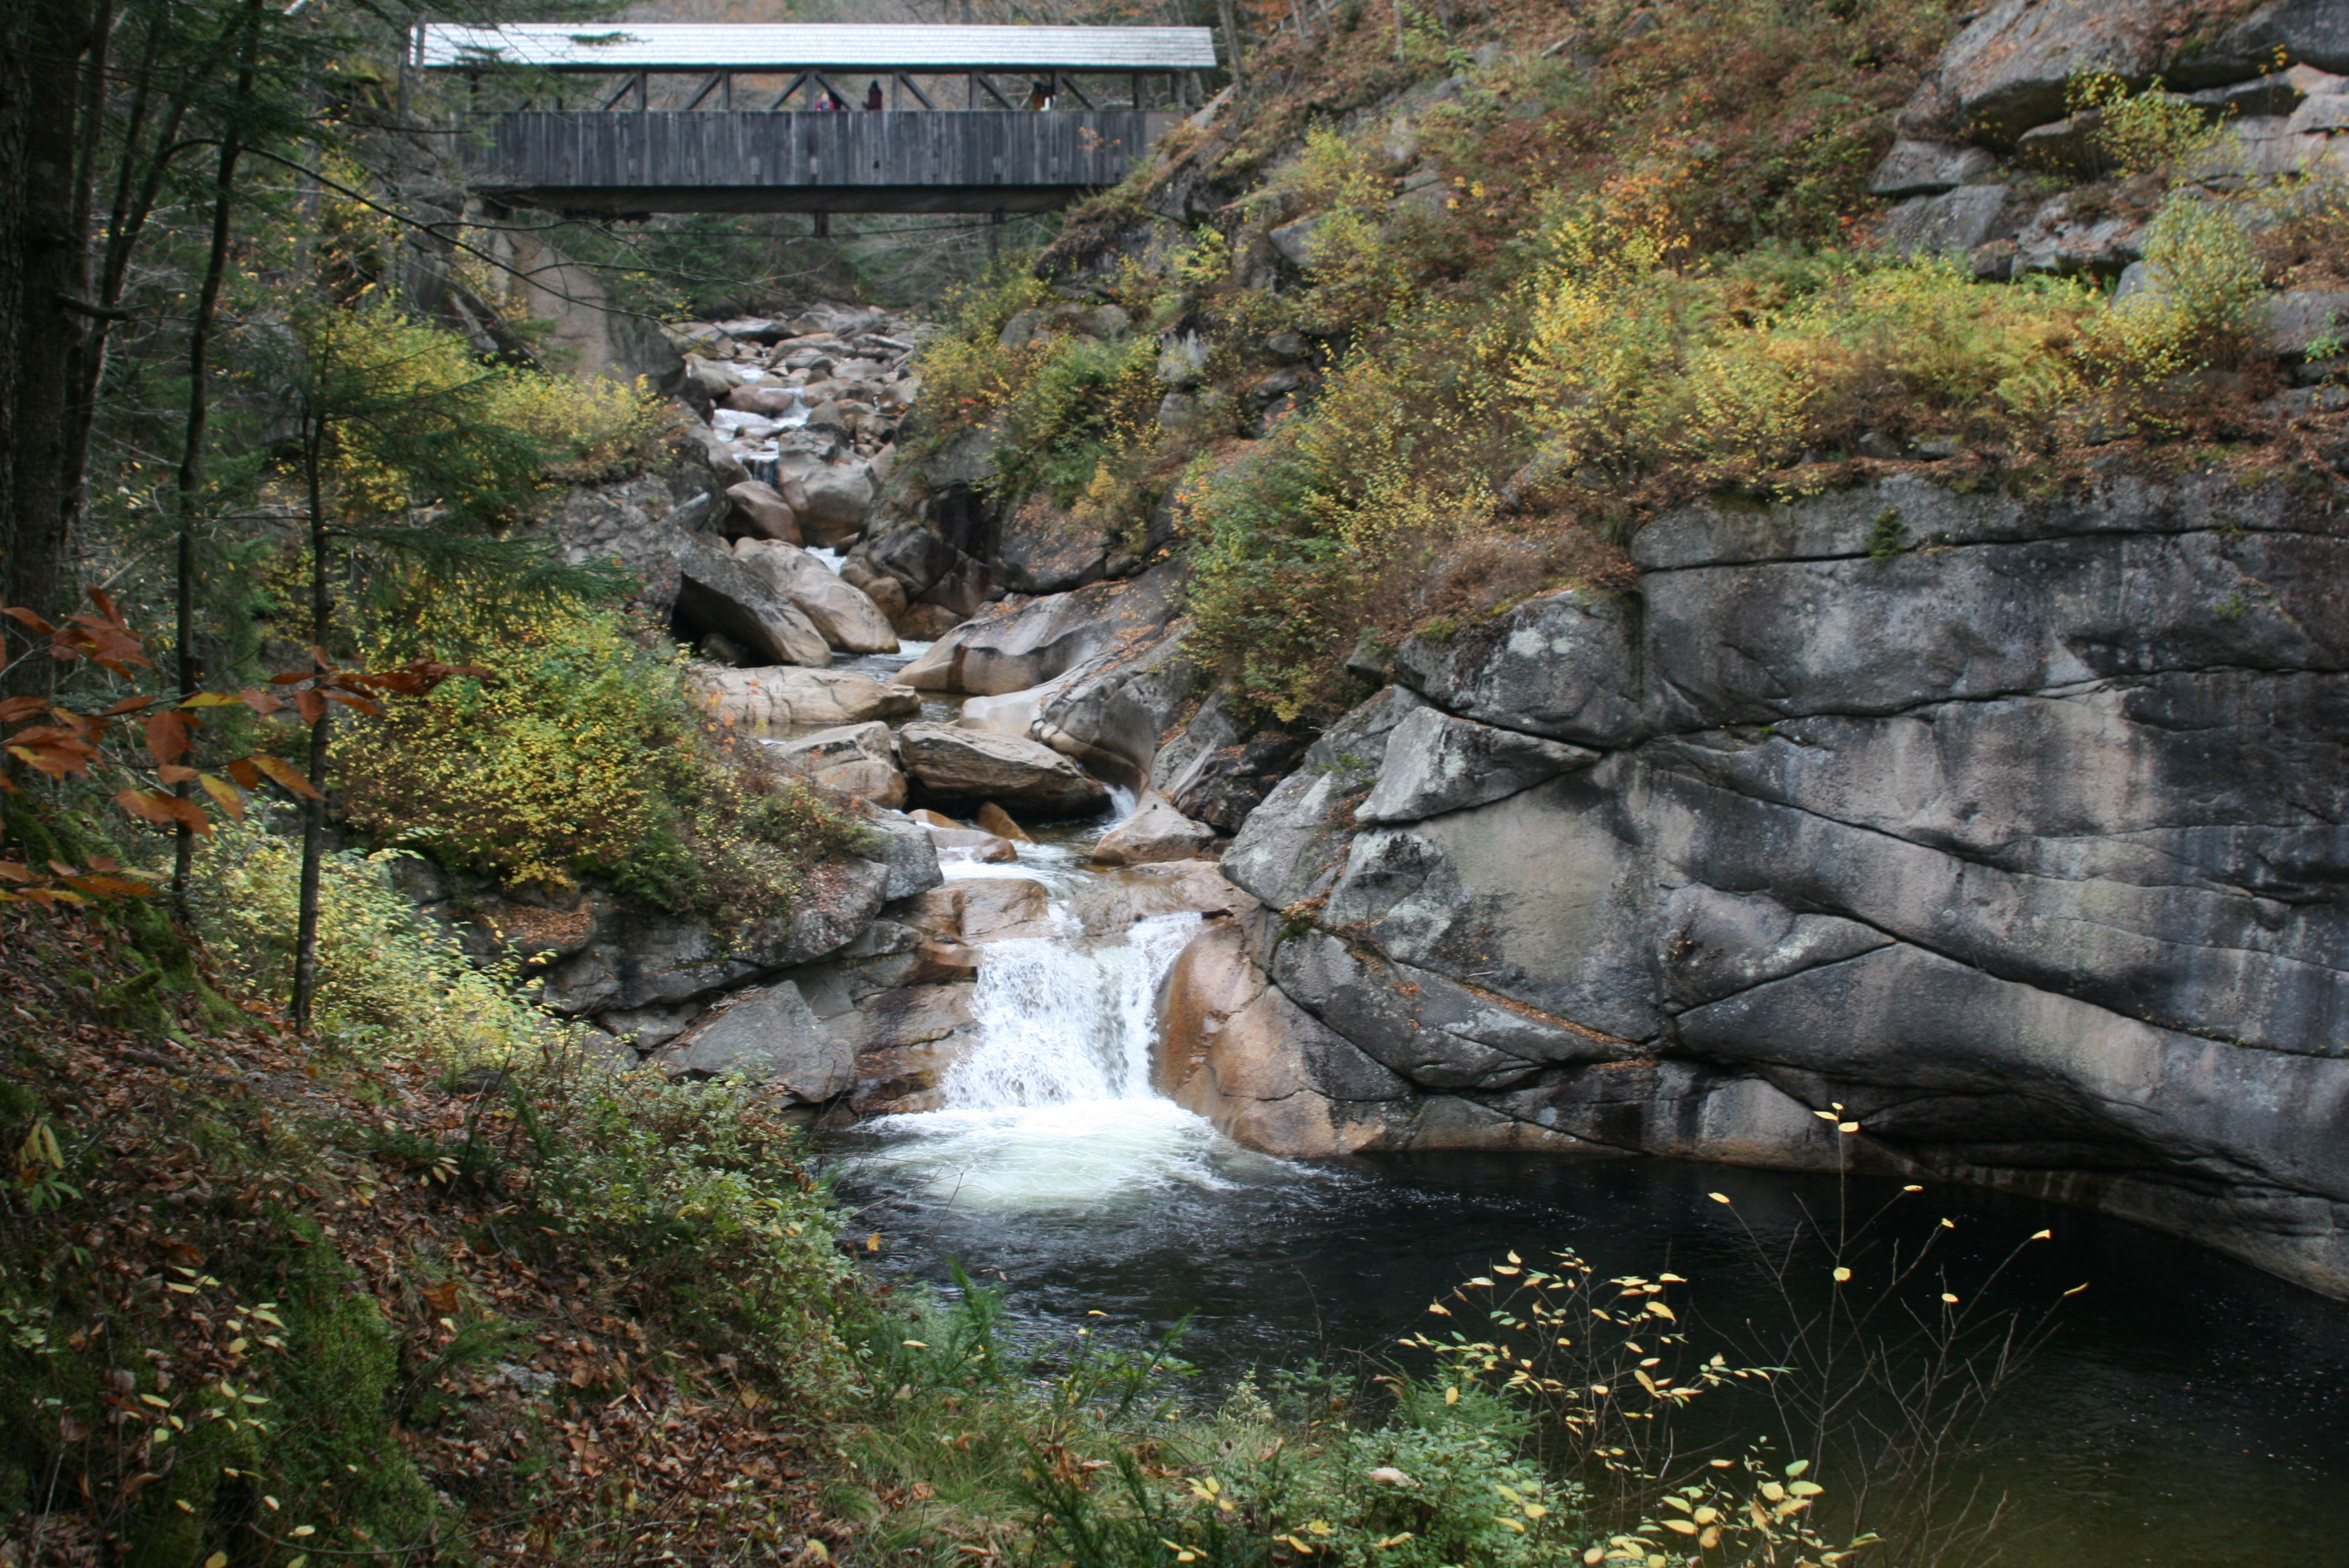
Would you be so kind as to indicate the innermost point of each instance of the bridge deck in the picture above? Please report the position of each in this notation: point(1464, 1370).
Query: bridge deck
point(809, 161)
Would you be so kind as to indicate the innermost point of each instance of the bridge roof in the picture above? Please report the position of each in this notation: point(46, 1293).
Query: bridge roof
point(878, 47)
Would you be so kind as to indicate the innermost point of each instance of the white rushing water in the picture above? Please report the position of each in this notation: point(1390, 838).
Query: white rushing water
point(1053, 1108)
point(1062, 1020)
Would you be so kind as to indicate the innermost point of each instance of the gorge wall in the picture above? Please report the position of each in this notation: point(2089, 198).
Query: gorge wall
point(2020, 849)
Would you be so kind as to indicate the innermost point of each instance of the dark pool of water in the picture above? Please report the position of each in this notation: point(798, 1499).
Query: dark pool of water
point(2186, 1409)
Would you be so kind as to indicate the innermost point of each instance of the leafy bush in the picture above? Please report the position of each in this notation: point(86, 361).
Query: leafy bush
point(582, 754)
point(1086, 405)
point(2206, 281)
point(966, 377)
point(1291, 547)
point(386, 983)
point(2151, 133)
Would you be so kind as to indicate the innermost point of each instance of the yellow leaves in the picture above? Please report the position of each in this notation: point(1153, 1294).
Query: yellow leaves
point(1657, 1309)
point(1841, 1274)
point(1718, 1197)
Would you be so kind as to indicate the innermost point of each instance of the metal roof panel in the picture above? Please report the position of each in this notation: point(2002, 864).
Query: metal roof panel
point(698, 46)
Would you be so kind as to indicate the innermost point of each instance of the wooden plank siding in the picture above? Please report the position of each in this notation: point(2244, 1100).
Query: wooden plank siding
point(793, 160)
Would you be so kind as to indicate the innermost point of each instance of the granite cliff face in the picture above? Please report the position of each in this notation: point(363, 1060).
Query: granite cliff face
point(2011, 828)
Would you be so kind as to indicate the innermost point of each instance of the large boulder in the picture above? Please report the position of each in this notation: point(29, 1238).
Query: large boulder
point(1563, 665)
point(906, 1042)
point(981, 910)
point(782, 695)
point(759, 511)
point(1026, 647)
point(1045, 549)
point(1115, 900)
point(1435, 763)
point(956, 764)
point(2012, 67)
point(769, 1036)
point(1155, 831)
point(847, 619)
point(1219, 768)
point(1238, 1051)
point(900, 843)
point(634, 959)
point(1013, 713)
point(837, 499)
point(715, 592)
point(1953, 224)
point(856, 759)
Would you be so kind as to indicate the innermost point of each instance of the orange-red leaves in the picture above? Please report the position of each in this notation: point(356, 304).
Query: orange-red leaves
point(310, 705)
point(167, 738)
point(163, 811)
point(244, 772)
point(284, 773)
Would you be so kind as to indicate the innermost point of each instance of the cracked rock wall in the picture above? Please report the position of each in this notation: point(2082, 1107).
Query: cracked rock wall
point(2024, 843)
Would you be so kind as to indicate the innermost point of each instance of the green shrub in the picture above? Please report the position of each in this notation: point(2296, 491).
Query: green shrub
point(386, 982)
point(581, 754)
point(1085, 406)
point(2200, 309)
point(2151, 133)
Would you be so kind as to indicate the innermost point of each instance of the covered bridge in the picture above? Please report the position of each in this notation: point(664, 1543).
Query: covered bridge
point(694, 118)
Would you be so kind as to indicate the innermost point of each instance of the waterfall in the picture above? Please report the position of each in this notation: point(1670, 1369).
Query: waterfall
point(1062, 1020)
point(1053, 1108)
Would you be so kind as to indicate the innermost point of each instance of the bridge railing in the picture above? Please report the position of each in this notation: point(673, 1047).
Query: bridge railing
point(808, 160)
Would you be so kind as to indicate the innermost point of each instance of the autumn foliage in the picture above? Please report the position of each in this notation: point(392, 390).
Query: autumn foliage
point(153, 740)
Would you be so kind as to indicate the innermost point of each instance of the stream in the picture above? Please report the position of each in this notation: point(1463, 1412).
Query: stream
point(2185, 1408)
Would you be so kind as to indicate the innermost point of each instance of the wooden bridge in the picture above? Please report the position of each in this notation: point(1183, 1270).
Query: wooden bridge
point(1045, 114)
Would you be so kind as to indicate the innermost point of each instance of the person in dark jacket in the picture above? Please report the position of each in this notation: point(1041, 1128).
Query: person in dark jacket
point(872, 99)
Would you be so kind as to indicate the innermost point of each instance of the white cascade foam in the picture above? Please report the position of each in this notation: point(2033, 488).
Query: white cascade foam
point(1062, 1020)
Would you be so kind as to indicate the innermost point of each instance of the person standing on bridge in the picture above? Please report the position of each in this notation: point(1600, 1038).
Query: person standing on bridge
point(1039, 96)
point(872, 99)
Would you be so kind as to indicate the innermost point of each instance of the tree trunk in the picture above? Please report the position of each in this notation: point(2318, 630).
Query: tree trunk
point(189, 488)
point(1230, 18)
point(42, 42)
point(313, 809)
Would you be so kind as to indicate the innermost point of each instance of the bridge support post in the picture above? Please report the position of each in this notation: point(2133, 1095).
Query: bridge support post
point(994, 233)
